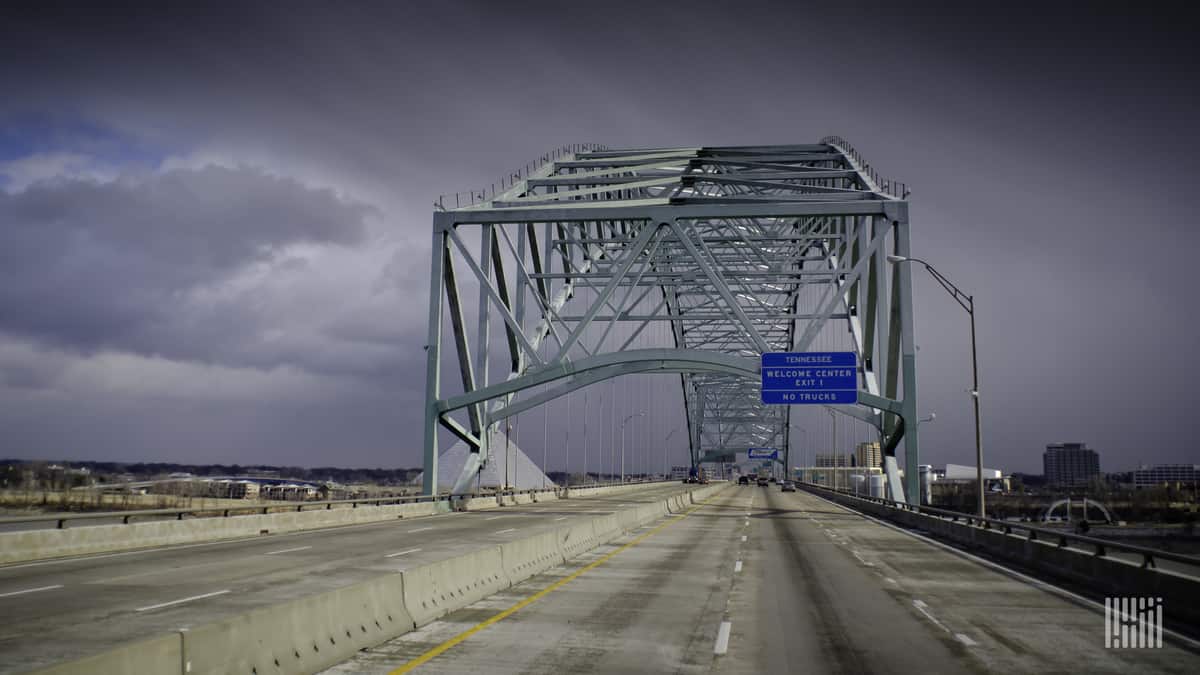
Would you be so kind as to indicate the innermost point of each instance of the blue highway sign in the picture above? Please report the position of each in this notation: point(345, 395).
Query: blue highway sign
point(762, 453)
point(822, 378)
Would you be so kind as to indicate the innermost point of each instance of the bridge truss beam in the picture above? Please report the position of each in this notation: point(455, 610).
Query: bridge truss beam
point(737, 250)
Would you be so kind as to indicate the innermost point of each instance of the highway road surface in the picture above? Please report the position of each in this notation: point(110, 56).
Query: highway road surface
point(760, 581)
point(57, 610)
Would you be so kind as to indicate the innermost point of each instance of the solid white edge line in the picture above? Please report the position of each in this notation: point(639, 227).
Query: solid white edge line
point(1037, 583)
point(288, 550)
point(393, 555)
point(31, 590)
point(966, 640)
point(181, 600)
point(722, 644)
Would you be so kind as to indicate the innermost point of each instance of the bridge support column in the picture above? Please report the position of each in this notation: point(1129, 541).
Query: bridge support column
point(908, 365)
point(433, 355)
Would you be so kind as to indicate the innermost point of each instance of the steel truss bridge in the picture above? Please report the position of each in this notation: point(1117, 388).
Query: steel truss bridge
point(722, 252)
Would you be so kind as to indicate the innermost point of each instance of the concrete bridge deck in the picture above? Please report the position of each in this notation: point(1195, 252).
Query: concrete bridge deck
point(802, 584)
point(57, 610)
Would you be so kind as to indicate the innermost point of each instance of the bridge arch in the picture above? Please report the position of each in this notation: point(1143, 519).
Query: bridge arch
point(1068, 502)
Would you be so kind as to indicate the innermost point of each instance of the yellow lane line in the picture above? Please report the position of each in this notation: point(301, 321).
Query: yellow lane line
point(438, 650)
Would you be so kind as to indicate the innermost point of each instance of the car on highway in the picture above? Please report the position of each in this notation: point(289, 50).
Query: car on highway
point(788, 486)
point(743, 480)
point(763, 482)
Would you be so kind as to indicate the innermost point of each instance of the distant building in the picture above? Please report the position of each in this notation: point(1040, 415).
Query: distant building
point(868, 455)
point(831, 459)
point(244, 489)
point(969, 473)
point(1070, 464)
point(1159, 474)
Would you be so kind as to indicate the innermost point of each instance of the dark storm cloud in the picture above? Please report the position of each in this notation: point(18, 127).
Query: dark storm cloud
point(1051, 148)
point(123, 265)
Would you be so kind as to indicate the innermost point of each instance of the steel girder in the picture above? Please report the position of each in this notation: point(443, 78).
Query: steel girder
point(739, 250)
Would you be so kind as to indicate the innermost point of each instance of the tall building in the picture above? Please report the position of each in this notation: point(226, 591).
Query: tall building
point(831, 459)
point(1160, 474)
point(868, 455)
point(1068, 464)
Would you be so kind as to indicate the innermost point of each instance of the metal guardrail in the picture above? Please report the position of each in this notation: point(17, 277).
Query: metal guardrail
point(887, 185)
point(260, 508)
point(473, 197)
point(1100, 547)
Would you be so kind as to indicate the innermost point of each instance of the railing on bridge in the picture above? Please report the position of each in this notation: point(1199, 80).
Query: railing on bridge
point(894, 188)
point(60, 519)
point(473, 197)
point(1097, 547)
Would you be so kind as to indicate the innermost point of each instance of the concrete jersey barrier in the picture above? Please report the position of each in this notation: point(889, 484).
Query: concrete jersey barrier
point(529, 556)
point(301, 636)
point(434, 590)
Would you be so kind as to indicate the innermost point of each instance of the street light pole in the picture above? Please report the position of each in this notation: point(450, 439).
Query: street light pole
point(834, 454)
point(802, 452)
point(967, 302)
point(665, 450)
point(641, 414)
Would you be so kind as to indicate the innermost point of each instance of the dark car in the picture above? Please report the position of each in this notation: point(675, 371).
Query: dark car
point(743, 480)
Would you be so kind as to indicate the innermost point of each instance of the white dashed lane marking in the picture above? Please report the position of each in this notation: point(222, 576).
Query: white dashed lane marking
point(31, 590)
point(722, 644)
point(289, 550)
point(181, 601)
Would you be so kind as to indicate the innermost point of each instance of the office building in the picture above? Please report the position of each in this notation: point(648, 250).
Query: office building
point(868, 455)
point(1070, 464)
point(831, 459)
point(1166, 474)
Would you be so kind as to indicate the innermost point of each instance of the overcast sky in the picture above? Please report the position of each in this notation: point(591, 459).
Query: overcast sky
point(214, 222)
